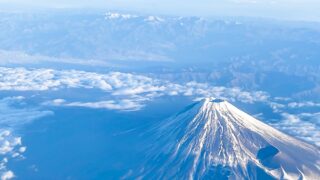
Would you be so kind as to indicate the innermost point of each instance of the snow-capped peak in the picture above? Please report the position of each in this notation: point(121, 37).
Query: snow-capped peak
point(114, 15)
point(214, 139)
point(154, 19)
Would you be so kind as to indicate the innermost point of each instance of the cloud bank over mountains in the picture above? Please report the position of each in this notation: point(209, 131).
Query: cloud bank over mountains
point(131, 89)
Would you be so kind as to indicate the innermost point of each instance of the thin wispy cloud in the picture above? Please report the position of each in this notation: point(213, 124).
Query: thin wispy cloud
point(11, 119)
point(303, 104)
point(299, 126)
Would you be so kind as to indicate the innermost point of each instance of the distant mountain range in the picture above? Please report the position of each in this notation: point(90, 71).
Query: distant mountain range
point(124, 36)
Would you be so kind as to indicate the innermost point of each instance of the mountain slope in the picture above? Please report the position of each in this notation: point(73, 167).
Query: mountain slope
point(213, 139)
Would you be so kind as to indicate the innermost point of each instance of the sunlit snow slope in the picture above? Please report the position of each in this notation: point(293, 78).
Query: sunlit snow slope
point(212, 139)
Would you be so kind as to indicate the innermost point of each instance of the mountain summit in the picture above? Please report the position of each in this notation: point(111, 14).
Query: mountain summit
point(212, 139)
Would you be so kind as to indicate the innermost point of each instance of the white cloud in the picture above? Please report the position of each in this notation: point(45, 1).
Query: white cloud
point(8, 142)
point(9, 148)
point(7, 175)
point(300, 127)
point(276, 107)
point(126, 105)
point(303, 104)
point(58, 101)
point(22, 149)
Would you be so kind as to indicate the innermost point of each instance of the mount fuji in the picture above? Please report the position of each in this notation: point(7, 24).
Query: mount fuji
point(212, 139)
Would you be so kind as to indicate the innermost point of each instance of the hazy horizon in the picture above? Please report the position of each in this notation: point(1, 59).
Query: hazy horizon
point(296, 10)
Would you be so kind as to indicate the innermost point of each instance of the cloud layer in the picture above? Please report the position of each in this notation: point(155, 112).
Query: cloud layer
point(127, 91)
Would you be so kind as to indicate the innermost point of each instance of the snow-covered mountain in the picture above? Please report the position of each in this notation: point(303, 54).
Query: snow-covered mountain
point(212, 139)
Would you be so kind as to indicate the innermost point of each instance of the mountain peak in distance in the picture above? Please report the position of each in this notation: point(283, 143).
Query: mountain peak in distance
point(212, 139)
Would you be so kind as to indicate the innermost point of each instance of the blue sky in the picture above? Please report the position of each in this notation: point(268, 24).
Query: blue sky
point(282, 9)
